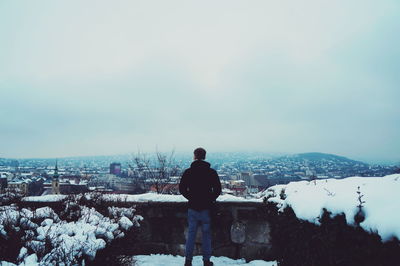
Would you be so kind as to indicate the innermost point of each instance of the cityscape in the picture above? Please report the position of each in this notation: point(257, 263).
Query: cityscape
point(105, 105)
point(241, 174)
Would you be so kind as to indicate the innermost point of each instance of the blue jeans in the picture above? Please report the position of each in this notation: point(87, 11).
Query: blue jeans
point(195, 218)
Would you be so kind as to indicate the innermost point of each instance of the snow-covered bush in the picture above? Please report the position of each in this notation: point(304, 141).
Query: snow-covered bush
point(73, 235)
point(11, 196)
point(352, 221)
point(369, 202)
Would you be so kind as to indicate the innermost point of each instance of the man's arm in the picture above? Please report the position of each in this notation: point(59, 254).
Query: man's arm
point(216, 185)
point(184, 186)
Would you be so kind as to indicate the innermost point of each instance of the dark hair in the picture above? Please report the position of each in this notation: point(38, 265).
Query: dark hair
point(199, 154)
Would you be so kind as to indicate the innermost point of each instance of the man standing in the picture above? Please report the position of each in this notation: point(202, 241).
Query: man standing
point(201, 186)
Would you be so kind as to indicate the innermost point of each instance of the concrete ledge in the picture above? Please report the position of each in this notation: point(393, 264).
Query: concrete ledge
point(239, 229)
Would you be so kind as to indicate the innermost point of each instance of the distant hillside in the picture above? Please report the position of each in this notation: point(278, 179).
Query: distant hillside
point(318, 156)
point(325, 166)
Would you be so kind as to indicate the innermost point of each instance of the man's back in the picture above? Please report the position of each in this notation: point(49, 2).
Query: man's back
point(200, 185)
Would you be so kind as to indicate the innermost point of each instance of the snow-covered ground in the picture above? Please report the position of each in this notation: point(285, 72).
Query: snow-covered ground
point(169, 260)
point(46, 198)
point(381, 201)
point(153, 197)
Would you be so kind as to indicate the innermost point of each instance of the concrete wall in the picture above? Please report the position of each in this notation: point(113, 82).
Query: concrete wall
point(239, 230)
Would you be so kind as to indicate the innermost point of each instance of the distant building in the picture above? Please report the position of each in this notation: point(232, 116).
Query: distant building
point(115, 168)
point(165, 188)
point(265, 181)
point(64, 187)
point(35, 187)
point(261, 181)
point(246, 177)
point(309, 173)
point(20, 186)
point(55, 182)
point(236, 187)
point(223, 177)
point(3, 184)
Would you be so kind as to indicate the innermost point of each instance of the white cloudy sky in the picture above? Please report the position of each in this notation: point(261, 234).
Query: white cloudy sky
point(108, 77)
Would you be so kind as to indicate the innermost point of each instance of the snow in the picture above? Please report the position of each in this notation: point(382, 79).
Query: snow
point(6, 263)
point(31, 260)
point(22, 253)
point(118, 212)
point(154, 197)
point(170, 260)
point(46, 198)
point(92, 231)
point(125, 223)
point(146, 197)
point(231, 198)
point(76, 237)
point(45, 212)
point(339, 196)
point(66, 242)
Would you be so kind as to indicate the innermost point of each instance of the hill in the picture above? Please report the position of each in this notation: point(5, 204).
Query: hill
point(318, 156)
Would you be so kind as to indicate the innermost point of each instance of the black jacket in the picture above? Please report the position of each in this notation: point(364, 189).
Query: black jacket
point(200, 185)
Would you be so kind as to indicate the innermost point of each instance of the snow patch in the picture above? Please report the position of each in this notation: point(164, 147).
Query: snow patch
point(146, 197)
point(45, 198)
point(125, 223)
point(154, 197)
point(339, 196)
point(170, 260)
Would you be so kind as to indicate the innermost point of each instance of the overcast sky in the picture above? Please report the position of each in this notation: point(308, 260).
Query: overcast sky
point(110, 77)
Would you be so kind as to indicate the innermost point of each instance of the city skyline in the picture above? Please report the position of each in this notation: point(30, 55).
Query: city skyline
point(94, 78)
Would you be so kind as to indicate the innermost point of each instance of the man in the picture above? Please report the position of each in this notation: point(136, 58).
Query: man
point(201, 186)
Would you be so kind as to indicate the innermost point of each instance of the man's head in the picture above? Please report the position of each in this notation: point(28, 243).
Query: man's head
point(199, 154)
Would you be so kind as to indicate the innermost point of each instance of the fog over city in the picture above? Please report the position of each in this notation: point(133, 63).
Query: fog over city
point(100, 78)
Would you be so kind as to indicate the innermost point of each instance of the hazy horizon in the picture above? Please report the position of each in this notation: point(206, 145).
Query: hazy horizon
point(100, 78)
point(213, 155)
